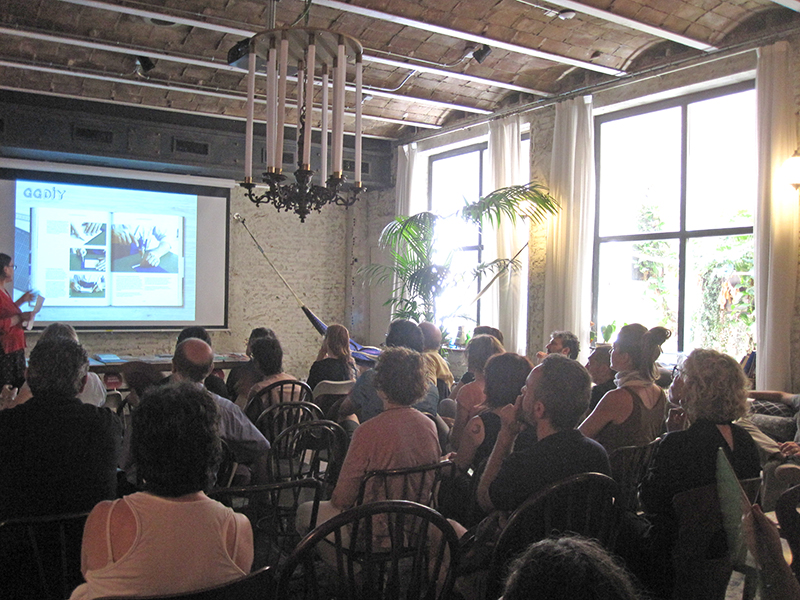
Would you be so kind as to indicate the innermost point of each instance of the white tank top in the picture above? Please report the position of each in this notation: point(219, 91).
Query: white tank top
point(179, 547)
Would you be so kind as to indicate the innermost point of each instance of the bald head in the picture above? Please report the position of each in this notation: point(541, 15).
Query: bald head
point(193, 360)
point(432, 335)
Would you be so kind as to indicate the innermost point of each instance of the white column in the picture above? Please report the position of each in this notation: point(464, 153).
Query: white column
point(271, 106)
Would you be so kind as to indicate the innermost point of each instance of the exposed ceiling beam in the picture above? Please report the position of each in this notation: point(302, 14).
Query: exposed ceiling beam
point(211, 64)
point(226, 95)
point(246, 33)
point(463, 35)
point(792, 4)
point(633, 24)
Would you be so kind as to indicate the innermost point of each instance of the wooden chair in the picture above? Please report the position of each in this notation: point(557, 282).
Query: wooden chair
point(789, 520)
point(383, 550)
point(278, 417)
point(628, 468)
point(43, 553)
point(259, 585)
point(276, 393)
point(701, 558)
point(313, 449)
point(582, 504)
point(418, 484)
point(272, 509)
point(227, 467)
point(328, 395)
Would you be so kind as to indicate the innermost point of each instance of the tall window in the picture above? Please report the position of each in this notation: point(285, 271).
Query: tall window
point(674, 230)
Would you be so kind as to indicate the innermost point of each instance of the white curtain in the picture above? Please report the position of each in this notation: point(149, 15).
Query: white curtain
point(776, 225)
point(406, 157)
point(570, 235)
point(510, 293)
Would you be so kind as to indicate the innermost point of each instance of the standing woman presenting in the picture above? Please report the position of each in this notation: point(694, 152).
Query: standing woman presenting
point(12, 333)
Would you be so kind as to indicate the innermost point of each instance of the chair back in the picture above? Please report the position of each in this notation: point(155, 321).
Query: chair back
point(272, 510)
point(415, 556)
point(628, 468)
point(283, 415)
point(418, 484)
point(227, 466)
point(43, 555)
point(701, 558)
point(789, 520)
point(259, 585)
point(288, 390)
point(328, 395)
point(313, 449)
point(582, 504)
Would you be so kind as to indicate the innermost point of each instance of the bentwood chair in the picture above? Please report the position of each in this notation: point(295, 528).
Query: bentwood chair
point(328, 395)
point(278, 417)
point(379, 551)
point(418, 484)
point(278, 392)
point(628, 468)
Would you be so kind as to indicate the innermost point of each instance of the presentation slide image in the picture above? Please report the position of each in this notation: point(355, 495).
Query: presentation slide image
point(146, 243)
point(87, 259)
point(88, 233)
point(87, 285)
point(146, 290)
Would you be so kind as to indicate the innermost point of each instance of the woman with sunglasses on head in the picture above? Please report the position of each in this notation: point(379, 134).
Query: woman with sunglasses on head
point(12, 332)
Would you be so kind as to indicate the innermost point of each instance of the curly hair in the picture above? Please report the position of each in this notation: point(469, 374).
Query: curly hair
point(400, 374)
point(505, 375)
point(714, 386)
point(268, 354)
point(57, 366)
point(643, 346)
point(480, 349)
point(568, 567)
point(175, 440)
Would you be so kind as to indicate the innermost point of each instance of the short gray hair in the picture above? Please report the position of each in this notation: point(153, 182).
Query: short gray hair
point(57, 367)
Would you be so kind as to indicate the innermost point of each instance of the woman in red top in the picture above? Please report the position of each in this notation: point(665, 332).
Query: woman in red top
point(12, 334)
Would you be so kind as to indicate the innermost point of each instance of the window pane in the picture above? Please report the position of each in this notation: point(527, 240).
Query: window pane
point(721, 164)
point(453, 306)
point(720, 309)
point(639, 284)
point(455, 181)
point(640, 173)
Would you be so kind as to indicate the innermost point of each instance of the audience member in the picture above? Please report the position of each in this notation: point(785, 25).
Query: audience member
point(633, 414)
point(192, 362)
point(479, 350)
point(334, 361)
point(94, 392)
point(396, 438)
point(569, 567)
point(243, 377)
point(432, 337)
point(58, 454)
point(12, 333)
point(712, 388)
point(561, 342)
point(268, 355)
point(599, 367)
point(468, 376)
point(171, 537)
point(364, 400)
point(555, 395)
point(213, 383)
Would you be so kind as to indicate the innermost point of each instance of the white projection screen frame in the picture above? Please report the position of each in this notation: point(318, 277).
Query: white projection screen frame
point(113, 249)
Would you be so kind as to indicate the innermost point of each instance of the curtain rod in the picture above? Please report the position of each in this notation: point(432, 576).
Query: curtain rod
point(621, 81)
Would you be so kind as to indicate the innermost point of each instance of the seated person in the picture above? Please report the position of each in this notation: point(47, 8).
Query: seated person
point(243, 377)
point(469, 377)
point(634, 413)
point(171, 537)
point(334, 361)
point(599, 367)
point(396, 438)
point(479, 350)
point(268, 354)
point(214, 384)
point(432, 337)
point(712, 388)
point(561, 342)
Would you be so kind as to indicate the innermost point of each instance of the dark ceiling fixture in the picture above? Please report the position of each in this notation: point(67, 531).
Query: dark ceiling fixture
point(144, 64)
point(481, 53)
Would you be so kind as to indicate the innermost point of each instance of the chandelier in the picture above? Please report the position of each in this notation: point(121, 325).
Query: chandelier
point(311, 51)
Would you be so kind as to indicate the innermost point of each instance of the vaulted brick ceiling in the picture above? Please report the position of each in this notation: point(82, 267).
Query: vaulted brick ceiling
point(88, 49)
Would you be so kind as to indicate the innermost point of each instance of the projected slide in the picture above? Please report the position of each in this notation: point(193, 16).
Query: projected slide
point(106, 254)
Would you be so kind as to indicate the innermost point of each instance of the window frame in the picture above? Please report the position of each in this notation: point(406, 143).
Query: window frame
point(682, 234)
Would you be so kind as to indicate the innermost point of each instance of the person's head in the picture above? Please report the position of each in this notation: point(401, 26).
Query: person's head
point(337, 341)
point(558, 391)
point(714, 386)
point(268, 354)
point(59, 330)
point(175, 441)
point(57, 367)
point(406, 334)
point(400, 375)
point(432, 335)
point(194, 332)
point(638, 348)
point(486, 330)
point(480, 349)
point(599, 364)
point(257, 333)
point(564, 342)
point(505, 374)
point(193, 360)
point(6, 267)
point(568, 567)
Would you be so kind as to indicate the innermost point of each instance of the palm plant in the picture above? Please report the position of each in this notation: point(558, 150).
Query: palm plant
point(418, 280)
